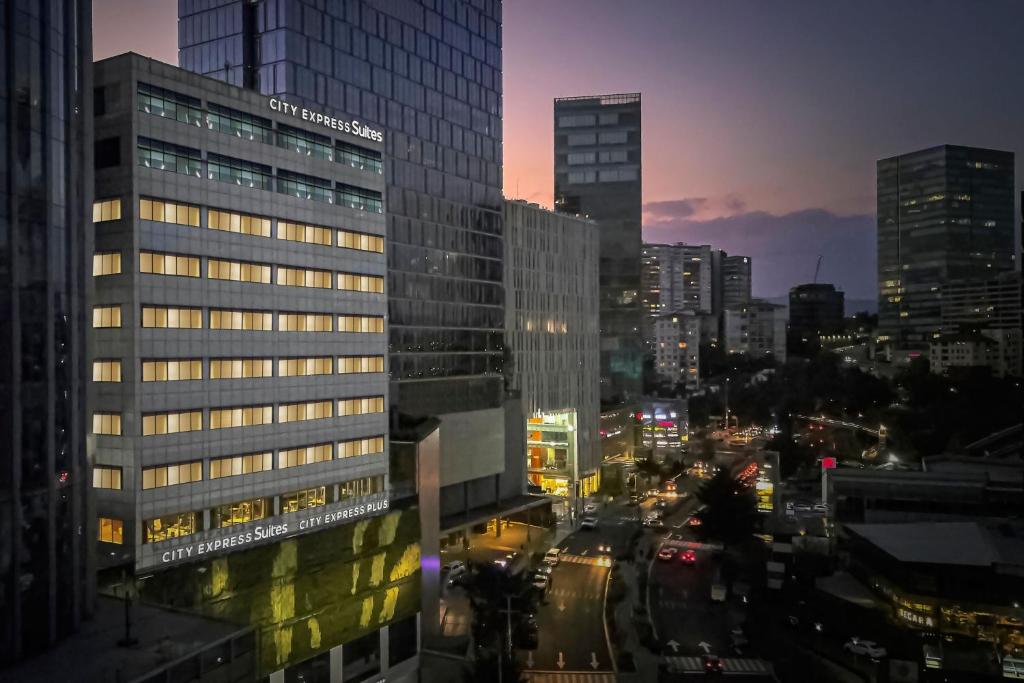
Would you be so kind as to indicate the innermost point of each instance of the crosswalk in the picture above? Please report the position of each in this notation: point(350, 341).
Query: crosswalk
point(573, 594)
point(570, 677)
point(598, 561)
point(730, 665)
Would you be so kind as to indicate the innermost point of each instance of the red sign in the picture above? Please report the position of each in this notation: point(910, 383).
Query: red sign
point(828, 463)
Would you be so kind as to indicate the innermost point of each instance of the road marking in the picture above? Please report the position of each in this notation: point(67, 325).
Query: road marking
point(561, 606)
point(704, 646)
point(593, 661)
point(674, 645)
point(529, 659)
point(561, 661)
point(729, 664)
point(580, 559)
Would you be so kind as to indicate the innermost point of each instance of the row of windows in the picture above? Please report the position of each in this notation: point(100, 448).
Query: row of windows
point(239, 368)
point(192, 319)
point(106, 210)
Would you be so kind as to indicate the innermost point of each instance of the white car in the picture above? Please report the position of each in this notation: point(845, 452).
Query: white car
point(868, 648)
point(454, 570)
point(552, 556)
point(590, 508)
point(588, 522)
point(540, 582)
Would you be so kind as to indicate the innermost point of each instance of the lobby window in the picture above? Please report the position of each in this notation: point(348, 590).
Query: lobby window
point(249, 416)
point(302, 277)
point(372, 324)
point(358, 157)
point(172, 318)
point(241, 512)
point(360, 241)
point(300, 412)
point(238, 172)
point(104, 477)
point(237, 465)
point(301, 367)
point(168, 264)
point(237, 271)
point(169, 104)
point(306, 455)
point(106, 263)
point(310, 234)
point(106, 371)
point(171, 526)
point(108, 424)
point(302, 500)
point(172, 475)
point(354, 282)
point(348, 365)
point(240, 124)
point(356, 447)
point(304, 186)
point(360, 199)
point(256, 321)
point(304, 322)
point(241, 368)
point(364, 486)
point(110, 530)
point(172, 370)
point(164, 156)
point(172, 423)
point(106, 316)
point(360, 406)
point(168, 212)
point(305, 143)
point(243, 224)
point(106, 210)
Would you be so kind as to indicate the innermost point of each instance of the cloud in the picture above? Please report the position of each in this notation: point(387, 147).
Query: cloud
point(658, 212)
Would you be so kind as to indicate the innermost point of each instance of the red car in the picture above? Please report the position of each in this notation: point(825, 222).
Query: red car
point(666, 553)
point(688, 557)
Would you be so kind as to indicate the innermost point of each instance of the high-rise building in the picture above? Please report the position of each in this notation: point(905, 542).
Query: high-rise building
point(814, 310)
point(598, 175)
point(944, 214)
point(677, 348)
point(45, 188)
point(678, 276)
point(757, 329)
point(735, 281)
point(989, 307)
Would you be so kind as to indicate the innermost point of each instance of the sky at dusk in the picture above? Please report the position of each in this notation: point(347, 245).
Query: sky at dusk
point(762, 119)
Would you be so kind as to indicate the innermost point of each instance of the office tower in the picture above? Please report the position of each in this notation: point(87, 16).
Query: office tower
point(756, 329)
point(677, 348)
point(45, 181)
point(598, 175)
point(991, 308)
point(814, 310)
point(678, 277)
point(944, 213)
point(735, 280)
point(551, 284)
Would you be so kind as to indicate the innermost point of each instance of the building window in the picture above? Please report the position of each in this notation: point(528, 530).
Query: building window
point(169, 104)
point(104, 477)
point(164, 156)
point(249, 416)
point(613, 137)
point(357, 447)
point(305, 455)
point(106, 316)
point(360, 241)
point(360, 199)
point(243, 224)
point(365, 486)
point(310, 234)
point(348, 365)
point(305, 143)
point(304, 186)
point(371, 324)
point(168, 264)
point(579, 139)
point(106, 263)
point(304, 322)
point(106, 371)
point(172, 318)
point(237, 271)
point(171, 370)
point(301, 277)
point(171, 526)
point(360, 406)
point(258, 321)
point(168, 212)
point(172, 475)
point(302, 500)
point(238, 172)
point(358, 157)
point(110, 530)
point(106, 210)
point(302, 367)
point(354, 282)
point(241, 512)
point(108, 424)
point(172, 423)
point(300, 412)
point(577, 158)
point(241, 368)
point(241, 464)
point(576, 120)
point(239, 124)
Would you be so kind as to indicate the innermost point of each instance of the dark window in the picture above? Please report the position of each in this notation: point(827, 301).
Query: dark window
point(108, 152)
point(99, 101)
point(360, 658)
point(401, 640)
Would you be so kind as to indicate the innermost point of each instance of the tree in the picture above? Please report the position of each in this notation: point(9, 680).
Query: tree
point(731, 511)
point(492, 590)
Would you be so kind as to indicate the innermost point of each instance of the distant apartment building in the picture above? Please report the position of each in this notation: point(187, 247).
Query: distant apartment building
point(949, 352)
point(990, 307)
point(735, 281)
point(598, 176)
point(815, 310)
point(757, 329)
point(677, 348)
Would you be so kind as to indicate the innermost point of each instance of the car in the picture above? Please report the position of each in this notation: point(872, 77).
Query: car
point(654, 523)
point(802, 507)
point(713, 664)
point(666, 553)
point(545, 569)
point(868, 648)
point(821, 508)
point(688, 557)
point(604, 548)
point(634, 500)
point(552, 556)
point(454, 572)
point(661, 504)
point(506, 561)
point(588, 522)
point(540, 582)
point(590, 508)
point(694, 521)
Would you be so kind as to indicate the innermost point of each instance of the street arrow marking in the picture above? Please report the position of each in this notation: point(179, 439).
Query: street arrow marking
point(705, 646)
point(593, 661)
point(529, 659)
point(561, 606)
point(674, 645)
point(561, 661)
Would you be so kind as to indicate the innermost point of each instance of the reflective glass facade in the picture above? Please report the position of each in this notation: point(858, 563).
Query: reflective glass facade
point(429, 73)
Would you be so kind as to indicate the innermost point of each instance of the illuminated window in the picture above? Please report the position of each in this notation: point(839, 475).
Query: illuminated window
point(357, 364)
point(241, 512)
point(104, 477)
point(172, 475)
point(298, 412)
point(361, 323)
point(357, 447)
point(300, 277)
point(361, 487)
point(172, 423)
point(106, 316)
point(171, 526)
point(304, 322)
point(259, 321)
point(360, 241)
point(241, 464)
point(106, 423)
point(353, 282)
point(172, 318)
point(110, 530)
point(306, 455)
point(359, 198)
point(310, 234)
point(293, 367)
point(171, 370)
point(302, 500)
point(168, 212)
point(360, 406)
point(238, 222)
point(238, 271)
point(106, 263)
point(168, 264)
point(106, 371)
point(249, 416)
point(240, 368)
point(106, 210)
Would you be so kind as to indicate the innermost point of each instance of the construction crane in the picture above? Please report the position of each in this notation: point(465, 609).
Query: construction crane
point(816, 269)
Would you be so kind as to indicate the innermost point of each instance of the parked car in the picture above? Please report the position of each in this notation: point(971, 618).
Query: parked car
point(454, 571)
point(588, 522)
point(666, 552)
point(868, 648)
point(540, 582)
point(552, 556)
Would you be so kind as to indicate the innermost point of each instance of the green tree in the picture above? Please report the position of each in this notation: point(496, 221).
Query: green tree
point(731, 512)
point(491, 591)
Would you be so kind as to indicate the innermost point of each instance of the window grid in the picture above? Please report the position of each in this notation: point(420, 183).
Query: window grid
point(306, 143)
point(361, 323)
point(108, 424)
point(304, 186)
point(154, 424)
point(155, 263)
point(357, 447)
point(106, 316)
point(169, 104)
point(300, 412)
point(110, 530)
point(243, 224)
point(238, 271)
point(364, 486)
point(171, 526)
point(357, 157)
point(354, 282)
point(304, 499)
point(239, 172)
point(106, 263)
point(106, 210)
point(350, 365)
point(253, 321)
point(300, 367)
point(172, 318)
point(164, 156)
point(303, 277)
point(360, 199)
point(310, 234)
point(360, 406)
point(172, 475)
point(241, 464)
point(104, 477)
point(304, 322)
point(106, 371)
point(172, 370)
point(241, 368)
point(361, 241)
point(241, 512)
point(304, 455)
point(168, 212)
point(248, 416)
point(239, 124)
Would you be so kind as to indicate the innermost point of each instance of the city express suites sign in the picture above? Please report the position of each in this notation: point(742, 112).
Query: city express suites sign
point(326, 120)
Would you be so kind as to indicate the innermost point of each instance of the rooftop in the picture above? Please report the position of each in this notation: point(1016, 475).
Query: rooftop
point(973, 544)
